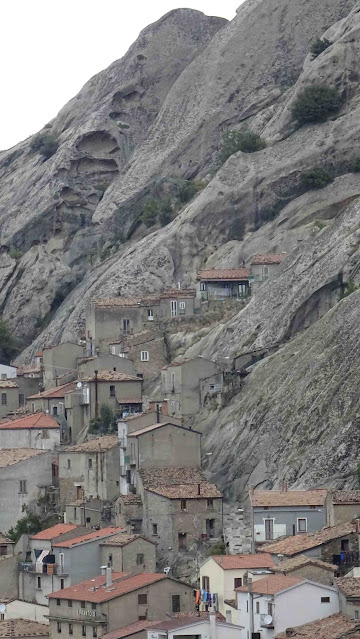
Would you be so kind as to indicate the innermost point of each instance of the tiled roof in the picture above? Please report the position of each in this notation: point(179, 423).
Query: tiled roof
point(112, 376)
point(271, 585)
point(299, 543)
point(178, 292)
point(226, 274)
point(178, 483)
point(82, 539)
point(237, 562)
point(288, 565)
point(5, 540)
point(130, 500)
point(23, 628)
point(178, 620)
point(350, 586)
point(113, 302)
point(122, 539)
point(334, 627)
point(54, 531)
point(10, 456)
point(8, 383)
point(94, 445)
point(179, 363)
point(346, 497)
point(35, 420)
point(57, 391)
point(268, 258)
point(131, 629)
point(148, 429)
point(288, 497)
point(122, 584)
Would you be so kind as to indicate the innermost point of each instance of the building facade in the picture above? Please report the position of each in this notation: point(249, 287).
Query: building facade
point(37, 430)
point(181, 385)
point(9, 391)
point(129, 552)
point(223, 284)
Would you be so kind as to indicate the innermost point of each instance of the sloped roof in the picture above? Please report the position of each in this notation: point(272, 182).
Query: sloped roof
point(122, 539)
point(234, 562)
point(122, 584)
point(35, 420)
point(270, 498)
point(113, 302)
point(297, 544)
point(334, 627)
point(94, 445)
point(268, 258)
point(271, 585)
point(178, 292)
point(226, 274)
point(178, 483)
point(112, 376)
point(351, 497)
point(8, 383)
point(82, 539)
point(130, 629)
point(350, 586)
point(23, 628)
point(288, 565)
point(148, 429)
point(56, 391)
point(54, 531)
point(11, 456)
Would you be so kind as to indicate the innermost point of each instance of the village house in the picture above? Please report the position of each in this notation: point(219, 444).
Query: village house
point(8, 568)
point(59, 361)
point(221, 574)
point(109, 362)
point(51, 401)
point(129, 512)
point(9, 391)
point(157, 415)
point(272, 604)
point(181, 384)
point(180, 508)
point(146, 350)
point(342, 505)
point(305, 567)
point(119, 391)
point(86, 512)
point(192, 626)
point(349, 596)
point(101, 605)
point(37, 430)
point(128, 552)
point(90, 470)
point(338, 545)
point(218, 284)
point(264, 267)
point(336, 626)
point(30, 380)
point(276, 513)
point(23, 629)
point(25, 474)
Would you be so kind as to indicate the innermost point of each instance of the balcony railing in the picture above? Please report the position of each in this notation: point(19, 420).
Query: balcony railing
point(265, 621)
point(47, 569)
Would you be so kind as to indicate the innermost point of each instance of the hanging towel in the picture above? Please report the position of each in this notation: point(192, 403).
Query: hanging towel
point(209, 599)
point(197, 597)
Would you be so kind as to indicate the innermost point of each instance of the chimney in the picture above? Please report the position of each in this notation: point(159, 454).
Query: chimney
point(199, 486)
point(213, 630)
point(285, 485)
point(108, 577)
point(228, 616)
point(103, 570)
point(250, 584)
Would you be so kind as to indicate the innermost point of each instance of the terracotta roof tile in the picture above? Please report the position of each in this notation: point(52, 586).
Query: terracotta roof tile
point(261, 498)
point(112, 376)
point(34, 420)
point(178, 483)
point(271, 585)
point(178, 292)
point(54, 531)
point(226, 274)
point(113, 302)
point(131, 629)
point(57, 391)
point(82, 539)
point(129, 500)
point(238, 562)
point(334, 627)
point(350, 586)
point(94, 445)
point(23, 628)
point(10, 456)
point(268, 258)
point(346, 497)
point(288, 565)
point(122, 539)
point(122, 583)
point(179, 620)
point(299, 543)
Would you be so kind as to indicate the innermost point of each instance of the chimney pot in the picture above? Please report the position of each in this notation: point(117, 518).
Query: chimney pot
point(108, 576)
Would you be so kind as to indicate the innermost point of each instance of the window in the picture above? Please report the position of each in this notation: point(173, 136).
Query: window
point(142, 600)
point(112, 350)
point(247, 605)
point(69, 463)
point(345, 546)
point(206, 583)
point(3, 550)
point(269, 529)
point(257, 608)
point(270, 609)
point(90, 462)
point(173, 308)
point(139, 559)
point(74, 513)
point(302, 524)
point(70, 629)
point(325, 599)
point(39, 583)
point(83, 631)
point(93, 606)
point(202, 286)
point(21, 399)
point(69, 603)
point(55, 410)
point(150, 314)
point(45, 434)
point(154, 529)
point(3, 399)
point(237, 582)
point(182, 308)
point(112, 391)
point(62, 585)
point(144, 356)
point(210, 527)
point(58, 602)
point(94, 631)
point(2, 617)
point(58, 626)
point(266, 270)
point(126, 326)
point(356, 614)
point(210, 504)
point(182, 538)
point(22, 489)
point(110, 561)
point(82, 604)
point(183, 504)
point(175, 601)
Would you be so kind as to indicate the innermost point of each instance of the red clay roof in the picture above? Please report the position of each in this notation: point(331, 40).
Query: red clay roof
point(271, 585)
point(350, 586)
point(334, 627)
point(35, 420)
point(122, 584)
point(178, 292)
point(131, 629)
point(226, 274)
point(97, 534)
point(54, 531)
point(113, 302)
point(57, 391)
point(299, 543)
point(8, 383)
point(23, 628)
point(237, 562)
point(11, 456)
point(99, 444)
point(122, 539)
point(268, 258)
point(269, 498)
point(112, 376)
point(346, 497)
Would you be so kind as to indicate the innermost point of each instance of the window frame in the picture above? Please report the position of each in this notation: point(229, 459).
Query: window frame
point(71, 629)
point(178, 600)
point(22, 487)
point(144, 356)
point(155, 530)
point(3, 399)
point(142, 599)
point(183, 505)
point(140, 559)
point(59, 627)
point(83, 630)
point(325, 600)
point(112, 390)
point(90, 463)
point(299, 519)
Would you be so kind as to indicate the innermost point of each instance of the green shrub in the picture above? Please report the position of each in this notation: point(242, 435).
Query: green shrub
point(216, 549)
point(236, 229)
point(16, 254)
point(319, 224)
point(356, 165)
point(165, 213)
point(318, 46)
point(8, 345)
point(350, 287)
point(234, 141)
point(105, 423)
point(316, 178)
point(30, 524)
point(45, 144)
point(187, 191)
point(316, 104)
point(150, 213)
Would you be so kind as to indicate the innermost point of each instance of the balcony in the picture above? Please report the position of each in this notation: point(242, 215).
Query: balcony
point(47, 569)
point(265, 621)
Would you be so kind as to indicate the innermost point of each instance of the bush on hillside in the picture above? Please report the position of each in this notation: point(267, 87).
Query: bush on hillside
point(316, 178)
point(356, 165)
point(150, 213)
point(234, 141)
point(318, 46)
point(187, 191)
point(8, 345)
point(30, 524)
point(236, 229)
point(316, 104)
point(165, 214)
point(45, 144)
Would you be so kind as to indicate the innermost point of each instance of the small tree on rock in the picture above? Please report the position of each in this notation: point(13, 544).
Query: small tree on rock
point(150, 213)
point(45, 144)
point(316, 178)
point(318, 46)
point(316, 104)
point(235, 141)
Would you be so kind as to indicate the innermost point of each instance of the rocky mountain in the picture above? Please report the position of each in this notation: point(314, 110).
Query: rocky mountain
point(155, 118)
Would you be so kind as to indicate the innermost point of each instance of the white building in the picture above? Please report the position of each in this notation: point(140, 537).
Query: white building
point(37, 430)
point(191, 626)
point(7, 372)
point(270, 605)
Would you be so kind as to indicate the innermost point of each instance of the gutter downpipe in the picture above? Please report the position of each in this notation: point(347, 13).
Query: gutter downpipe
point(96, 394)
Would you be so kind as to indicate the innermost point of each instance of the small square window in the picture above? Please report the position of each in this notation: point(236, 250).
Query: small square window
point(325, 599)
point(302, 525)
point(112, 391)
point(69, 603)
point(58, 602)
point(82, 604)
point(22, 489)
point(93, 606)
point(69, 463)
point(55, 410)
point(210, 504)
point(183, 504)
point(139, 559)
point(142, 600)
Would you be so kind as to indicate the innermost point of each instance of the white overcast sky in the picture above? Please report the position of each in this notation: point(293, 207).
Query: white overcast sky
point(50, 48)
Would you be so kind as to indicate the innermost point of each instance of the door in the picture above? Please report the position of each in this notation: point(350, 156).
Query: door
point(173, 308)
point(269, 529)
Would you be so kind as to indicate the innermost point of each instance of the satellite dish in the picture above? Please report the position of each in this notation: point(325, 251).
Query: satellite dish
point(268, 620)
point(2, 607)
point(79, 385)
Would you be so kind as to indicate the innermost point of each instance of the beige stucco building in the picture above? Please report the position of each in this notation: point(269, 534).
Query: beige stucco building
point(59, 361)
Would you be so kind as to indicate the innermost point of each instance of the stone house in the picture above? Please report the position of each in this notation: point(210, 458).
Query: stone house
point(90, 470)
point(129, 512)
point(86, 512)
point(51, 401)
point(37, 430)
point(180, 508)
point(109, 362)
point(270, 605)
point(307, 568)
point(129, 552)
point(9, 392)
point(334, 627)
point(342, 505)
point(181, 384)
point(59, 361)
point(276, 513)
point(264, 267)
point(25, 473)
point(223, 573)
point(8, 567)
point(59, 557)
point(146, 350)
point(338, 545)
point(349, 596)
point(223, 284)
point(149, 418)
point(103, 604)
point(120, 391)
